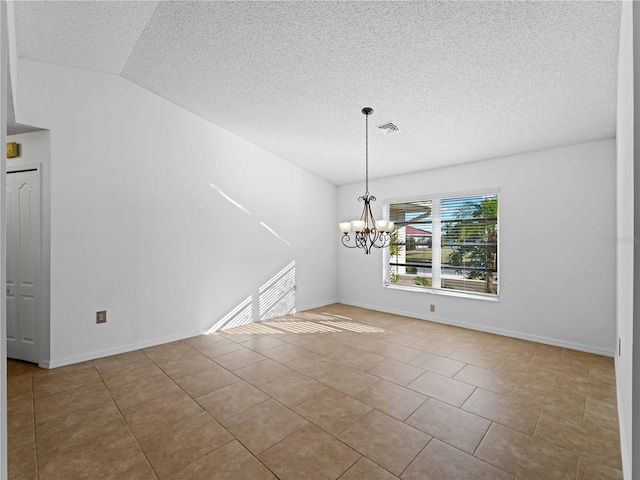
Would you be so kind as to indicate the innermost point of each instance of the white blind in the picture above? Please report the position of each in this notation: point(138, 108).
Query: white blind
point(448, 243)
point(469, 232)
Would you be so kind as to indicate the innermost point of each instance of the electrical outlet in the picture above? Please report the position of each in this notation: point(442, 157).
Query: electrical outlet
point(101, 317)
point(432, 308)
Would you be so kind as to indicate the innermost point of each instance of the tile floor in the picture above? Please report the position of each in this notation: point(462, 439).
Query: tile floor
point(336, 392)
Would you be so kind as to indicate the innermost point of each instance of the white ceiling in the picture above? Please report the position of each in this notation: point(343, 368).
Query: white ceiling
point(464, 81)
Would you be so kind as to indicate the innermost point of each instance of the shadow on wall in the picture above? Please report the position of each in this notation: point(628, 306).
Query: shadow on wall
point(276, 298)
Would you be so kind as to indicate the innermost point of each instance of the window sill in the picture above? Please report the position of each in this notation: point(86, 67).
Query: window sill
point(445, 292)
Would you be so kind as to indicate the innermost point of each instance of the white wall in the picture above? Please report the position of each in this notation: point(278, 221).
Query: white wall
point(557, 274)
point(625, 230)
point(137, 228)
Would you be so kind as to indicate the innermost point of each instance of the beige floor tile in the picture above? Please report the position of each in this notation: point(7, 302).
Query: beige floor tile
point(206, 381)
point(20, 384)
point(232, 400)
point(396, 372)
point(149, 388)
point(526, 456)
point(183, 364)
point(21, 433)
point(392, 399)
point(309, 454)
point(585, 439)
point(486, 360)
point(293, 389)
point(309, 341)
point(521, 351)
point(288, 353)
point(145, 418)
point(263, 372)
point(217, 348)
point(365, 469)
point(452, 425)
point(205, 340)
point(487, 379)
point(115, 456)
point(22, 462)
point(238, 359)
point(264, 425)
point(313, 367)
point(333, 411)
point(564, 403)
point(437, 364)
point(439, 461)
point(118, 373)
point(94, 395)
point(249, 331)
point(357, 358)
point(588, 388)
point(78, 368)
point(50, 384)
point(80, 433)
point(562, 366)
point(589, 469)
point(20, 408)
point(329, 348)
point(80, 427)
point(435, 346)
point(160, 352)
point(398, 352)
point(589, 358)
point(363, 341)
point(18, 367)
point(263, 343)
point(127, 358)
point(399, 338)
point(347, 379)
point(442, 388)
point(602, 414)
point(385, 440)
point(229, 462)
point(176, 444)
point(512, 412)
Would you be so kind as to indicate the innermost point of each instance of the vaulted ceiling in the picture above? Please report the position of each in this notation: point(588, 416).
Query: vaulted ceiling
point(463, 81)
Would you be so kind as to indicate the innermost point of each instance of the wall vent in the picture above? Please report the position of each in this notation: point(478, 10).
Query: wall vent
point(388, 128)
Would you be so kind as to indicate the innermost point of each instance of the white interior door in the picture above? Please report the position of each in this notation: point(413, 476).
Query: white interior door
point(23, 265)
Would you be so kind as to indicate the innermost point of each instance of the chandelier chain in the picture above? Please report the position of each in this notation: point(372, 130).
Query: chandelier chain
point(366, 139)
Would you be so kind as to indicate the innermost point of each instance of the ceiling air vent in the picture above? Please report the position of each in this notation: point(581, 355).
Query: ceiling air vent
point(389, 128)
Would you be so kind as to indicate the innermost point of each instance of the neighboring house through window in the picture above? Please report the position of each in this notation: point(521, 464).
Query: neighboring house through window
point(445, 244)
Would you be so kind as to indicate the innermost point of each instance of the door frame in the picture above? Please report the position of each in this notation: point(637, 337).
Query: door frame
point(42, 289)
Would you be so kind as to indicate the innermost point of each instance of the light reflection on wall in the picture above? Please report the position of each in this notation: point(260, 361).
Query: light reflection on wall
point(278, 295)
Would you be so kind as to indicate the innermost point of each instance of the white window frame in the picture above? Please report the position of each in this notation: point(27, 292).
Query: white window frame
point(436, 204)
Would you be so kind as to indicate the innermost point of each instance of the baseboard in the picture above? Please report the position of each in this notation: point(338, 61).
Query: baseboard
point(498, 331)
point(61, 362)
point(302, 308)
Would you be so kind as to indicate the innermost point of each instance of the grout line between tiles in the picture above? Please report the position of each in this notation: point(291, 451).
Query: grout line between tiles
point(482, 439)
point(127, 424)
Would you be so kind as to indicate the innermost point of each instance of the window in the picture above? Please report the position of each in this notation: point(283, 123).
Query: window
point(445, 244)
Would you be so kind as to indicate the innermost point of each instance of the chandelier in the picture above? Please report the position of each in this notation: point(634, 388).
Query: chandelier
point(368, 232)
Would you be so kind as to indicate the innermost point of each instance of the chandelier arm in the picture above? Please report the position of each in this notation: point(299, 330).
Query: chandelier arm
point(346, 238)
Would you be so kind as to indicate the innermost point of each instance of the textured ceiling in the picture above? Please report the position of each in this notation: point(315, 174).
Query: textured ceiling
point(464, 81)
